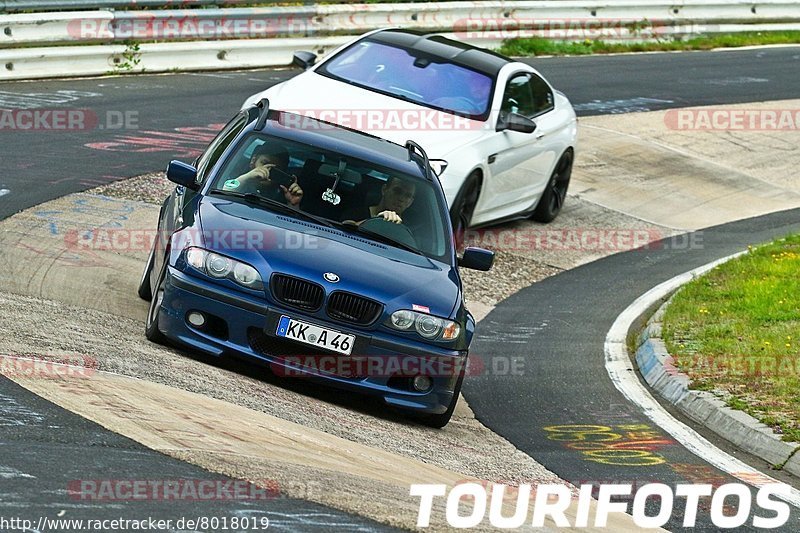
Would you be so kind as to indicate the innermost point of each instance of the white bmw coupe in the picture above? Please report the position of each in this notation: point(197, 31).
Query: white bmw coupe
point(500, 138)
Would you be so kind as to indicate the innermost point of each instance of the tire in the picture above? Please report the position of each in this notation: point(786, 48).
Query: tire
point(144, 291)
point(440, 421)
point(556, 192)
point(464, 207)
point(151, 330)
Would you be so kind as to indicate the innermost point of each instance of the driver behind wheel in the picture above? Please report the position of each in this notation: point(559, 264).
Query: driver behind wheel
point(397, 195)
point(265, 160)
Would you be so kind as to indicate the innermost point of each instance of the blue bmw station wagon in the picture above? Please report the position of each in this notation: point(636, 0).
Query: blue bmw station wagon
point(325, 252)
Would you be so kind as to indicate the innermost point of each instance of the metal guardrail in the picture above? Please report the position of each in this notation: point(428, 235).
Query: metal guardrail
point(27, 41)
point(18, 6)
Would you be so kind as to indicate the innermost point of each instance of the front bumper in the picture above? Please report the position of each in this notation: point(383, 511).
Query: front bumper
point(380, 364)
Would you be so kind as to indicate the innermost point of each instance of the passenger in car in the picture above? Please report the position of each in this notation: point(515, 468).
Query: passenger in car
point(397, 195)
point(265, 160)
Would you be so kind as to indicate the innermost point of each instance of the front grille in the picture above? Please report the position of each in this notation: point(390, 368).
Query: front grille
point(352, 308)
point(299, 355)
point(296, 292)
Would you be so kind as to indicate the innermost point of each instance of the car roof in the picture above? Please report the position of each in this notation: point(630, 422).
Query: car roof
point(464, 54)
point(342, 140)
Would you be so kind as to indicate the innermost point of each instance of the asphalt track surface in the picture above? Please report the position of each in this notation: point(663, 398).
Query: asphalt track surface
point(565, 383)
point(567, 316)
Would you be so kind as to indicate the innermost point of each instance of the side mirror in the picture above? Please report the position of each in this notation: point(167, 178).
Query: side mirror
point(304, 59)
point(476, 259)
point(182, 174)
point(516, 122)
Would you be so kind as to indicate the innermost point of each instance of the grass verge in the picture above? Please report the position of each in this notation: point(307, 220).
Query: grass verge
point(536, 46)
point(736, 330)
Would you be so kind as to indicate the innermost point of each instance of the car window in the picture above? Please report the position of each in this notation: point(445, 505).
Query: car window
point(427, 81)
point(335, 187)
point(518, 97)
point(217, 147)
point(528, 95)
point(542, 95)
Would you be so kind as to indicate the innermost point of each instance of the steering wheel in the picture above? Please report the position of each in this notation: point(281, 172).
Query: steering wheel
point(397, 232)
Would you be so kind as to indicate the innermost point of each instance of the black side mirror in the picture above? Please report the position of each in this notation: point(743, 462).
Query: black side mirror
point(304, 59)
point(182, 174)
point(476, 259)
point(516, 122)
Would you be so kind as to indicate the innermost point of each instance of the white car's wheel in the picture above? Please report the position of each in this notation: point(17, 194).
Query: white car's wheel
point(556, 192)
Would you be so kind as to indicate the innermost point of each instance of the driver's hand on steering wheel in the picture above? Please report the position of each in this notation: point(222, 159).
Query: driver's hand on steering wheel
point(390, 216)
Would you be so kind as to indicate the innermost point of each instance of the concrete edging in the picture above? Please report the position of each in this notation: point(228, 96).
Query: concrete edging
point(656, 366)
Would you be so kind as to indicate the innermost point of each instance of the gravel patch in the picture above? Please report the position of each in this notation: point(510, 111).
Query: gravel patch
point(151, 188)
point(510, 273)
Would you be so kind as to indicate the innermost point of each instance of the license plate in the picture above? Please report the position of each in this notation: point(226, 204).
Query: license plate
point(315, 336)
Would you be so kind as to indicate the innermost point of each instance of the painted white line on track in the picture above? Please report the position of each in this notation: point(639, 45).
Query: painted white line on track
point(3, 192)
point(623, 375)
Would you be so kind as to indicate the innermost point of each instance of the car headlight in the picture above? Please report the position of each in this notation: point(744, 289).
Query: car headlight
point(427, 326)
point(221, 267)
point(218, 266)
point(246, 275)
point(402, 319)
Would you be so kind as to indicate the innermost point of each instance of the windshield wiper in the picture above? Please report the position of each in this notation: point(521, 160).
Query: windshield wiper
point(256, 199)
point(382, 238)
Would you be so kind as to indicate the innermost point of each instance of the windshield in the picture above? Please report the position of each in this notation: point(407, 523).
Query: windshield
point(394, 71)
point(335, 188)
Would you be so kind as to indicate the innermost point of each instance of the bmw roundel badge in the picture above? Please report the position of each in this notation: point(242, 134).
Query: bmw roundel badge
point(330, 276)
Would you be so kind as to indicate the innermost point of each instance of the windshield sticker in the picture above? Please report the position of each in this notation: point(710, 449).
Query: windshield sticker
point(230, 184)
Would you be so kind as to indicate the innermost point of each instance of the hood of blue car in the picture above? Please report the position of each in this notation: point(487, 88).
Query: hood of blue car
point(275, 242)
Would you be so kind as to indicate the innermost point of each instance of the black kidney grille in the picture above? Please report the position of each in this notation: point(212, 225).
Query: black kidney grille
point(296, 292)
point(352, 308)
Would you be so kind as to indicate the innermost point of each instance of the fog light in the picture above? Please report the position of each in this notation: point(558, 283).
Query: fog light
point(196, 319)
point(422, 383)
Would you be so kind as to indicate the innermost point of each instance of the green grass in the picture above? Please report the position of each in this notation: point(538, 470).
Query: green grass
point(737, 330)
point(537, 46)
